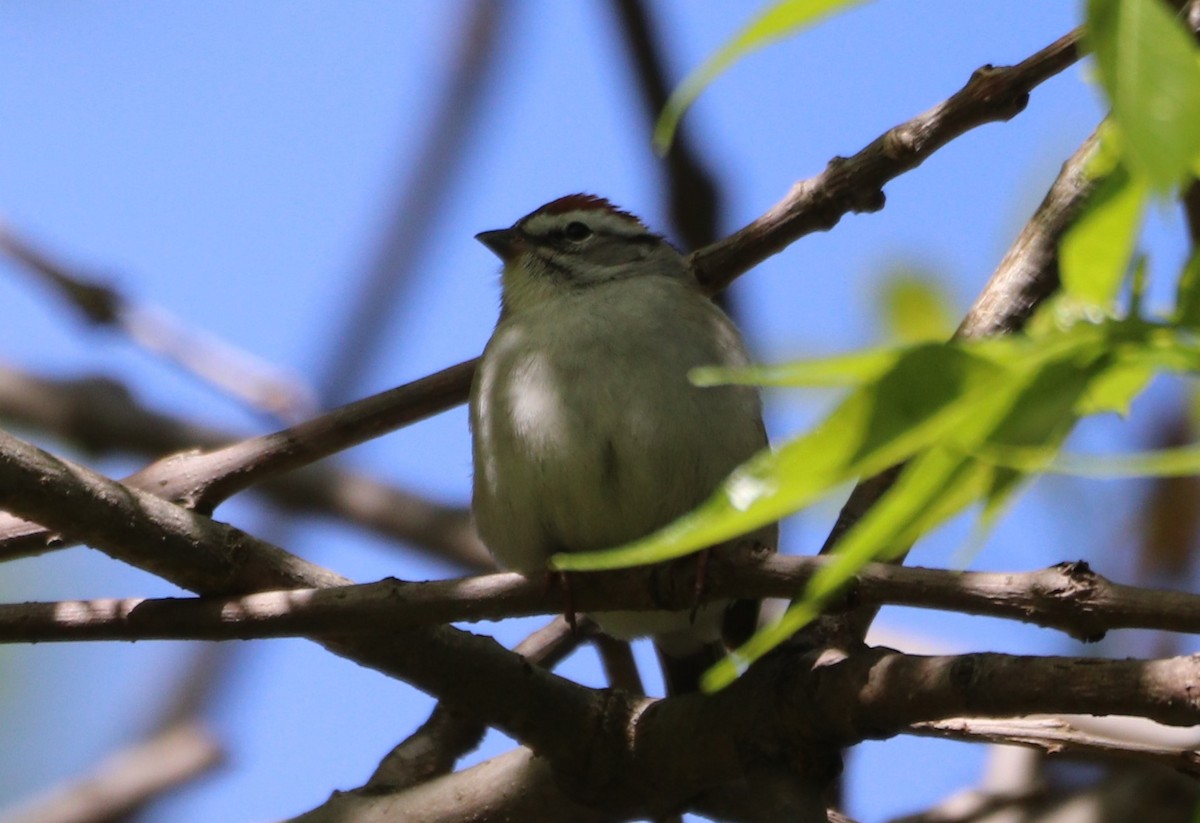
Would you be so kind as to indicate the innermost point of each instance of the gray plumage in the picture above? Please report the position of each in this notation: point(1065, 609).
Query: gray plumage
point(587, 433)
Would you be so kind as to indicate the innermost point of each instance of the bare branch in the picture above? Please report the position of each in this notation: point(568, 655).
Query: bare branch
point(1028, 273)
point(855, 184)
point(102, 416)
point(516, 785)
point(126, 780)
point(211, 557)
point(1056, 736)
point(447, 735)
point(620, 668)
point(838, 701)
point(203, 480)
point(879, 687)
point(250, 379)
point(1069, 597)
point(693, 202)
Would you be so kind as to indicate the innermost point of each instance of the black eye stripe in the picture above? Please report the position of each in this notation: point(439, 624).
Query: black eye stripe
point(568, 236)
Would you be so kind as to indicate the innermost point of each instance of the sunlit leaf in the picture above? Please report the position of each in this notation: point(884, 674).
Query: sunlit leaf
point(781, 19)
point(1187, 294)
point(1031, 409)
point(878, 425)
point(1149, 66)
point(1175, 462)
point(839, 370)
point(914, 307)
point(1095, 252)
point(1139, 280)
point(1116, 389)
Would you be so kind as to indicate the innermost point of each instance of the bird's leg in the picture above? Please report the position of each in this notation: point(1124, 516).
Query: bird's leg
point(563, 579)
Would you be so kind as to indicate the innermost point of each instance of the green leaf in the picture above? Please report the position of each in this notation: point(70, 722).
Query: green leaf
point(1187, 294)
point(1095, 252)
point(1174, 462)
point(840, 370)
point(905, 411)
point(1116, 389)
point(915, 309)
point(776, 22)
point(1031, 408)
point(1149, 66)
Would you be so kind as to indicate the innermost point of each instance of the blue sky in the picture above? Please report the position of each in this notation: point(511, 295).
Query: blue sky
point(232, 162)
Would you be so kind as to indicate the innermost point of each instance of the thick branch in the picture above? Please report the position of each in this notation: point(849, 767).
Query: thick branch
point(210, 557)
point(831, 702)
point(1069, 597)
point(447, 735)
point(872, 693)
point(864, 695)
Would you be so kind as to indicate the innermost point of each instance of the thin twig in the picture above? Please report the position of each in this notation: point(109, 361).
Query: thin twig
point(855, 184)
point(620, 667)
point(1055, 736)
point(265, 387)
point(126, 780)
point(103, 417)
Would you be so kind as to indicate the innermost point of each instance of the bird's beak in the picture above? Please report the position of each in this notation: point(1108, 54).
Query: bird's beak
point(503, 242)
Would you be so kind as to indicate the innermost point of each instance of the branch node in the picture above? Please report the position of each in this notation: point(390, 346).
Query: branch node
point(901, 143)
point(989, 85)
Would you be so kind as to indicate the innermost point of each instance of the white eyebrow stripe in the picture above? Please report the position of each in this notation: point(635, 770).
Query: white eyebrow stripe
point(600, 221)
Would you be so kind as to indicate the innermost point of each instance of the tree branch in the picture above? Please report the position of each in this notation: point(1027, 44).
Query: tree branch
point(1069, 597)
point(202, 480)
point(125, 781)
point(447, 735)
point(411, 221)
point(830, 701)
point(855, 184)
point(210, 557)
point(1055, 736)
point(825, 701)
point(692, 194)
point(101, 416)
point(866, 694)
point(265, 387)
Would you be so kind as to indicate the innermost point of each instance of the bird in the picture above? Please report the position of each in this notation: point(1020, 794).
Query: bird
point(586, 431)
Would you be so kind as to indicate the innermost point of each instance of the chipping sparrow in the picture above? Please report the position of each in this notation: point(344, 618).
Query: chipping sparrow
point(586, 431)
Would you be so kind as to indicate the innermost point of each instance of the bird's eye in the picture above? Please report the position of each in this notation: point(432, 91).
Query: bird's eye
point(577, 231)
